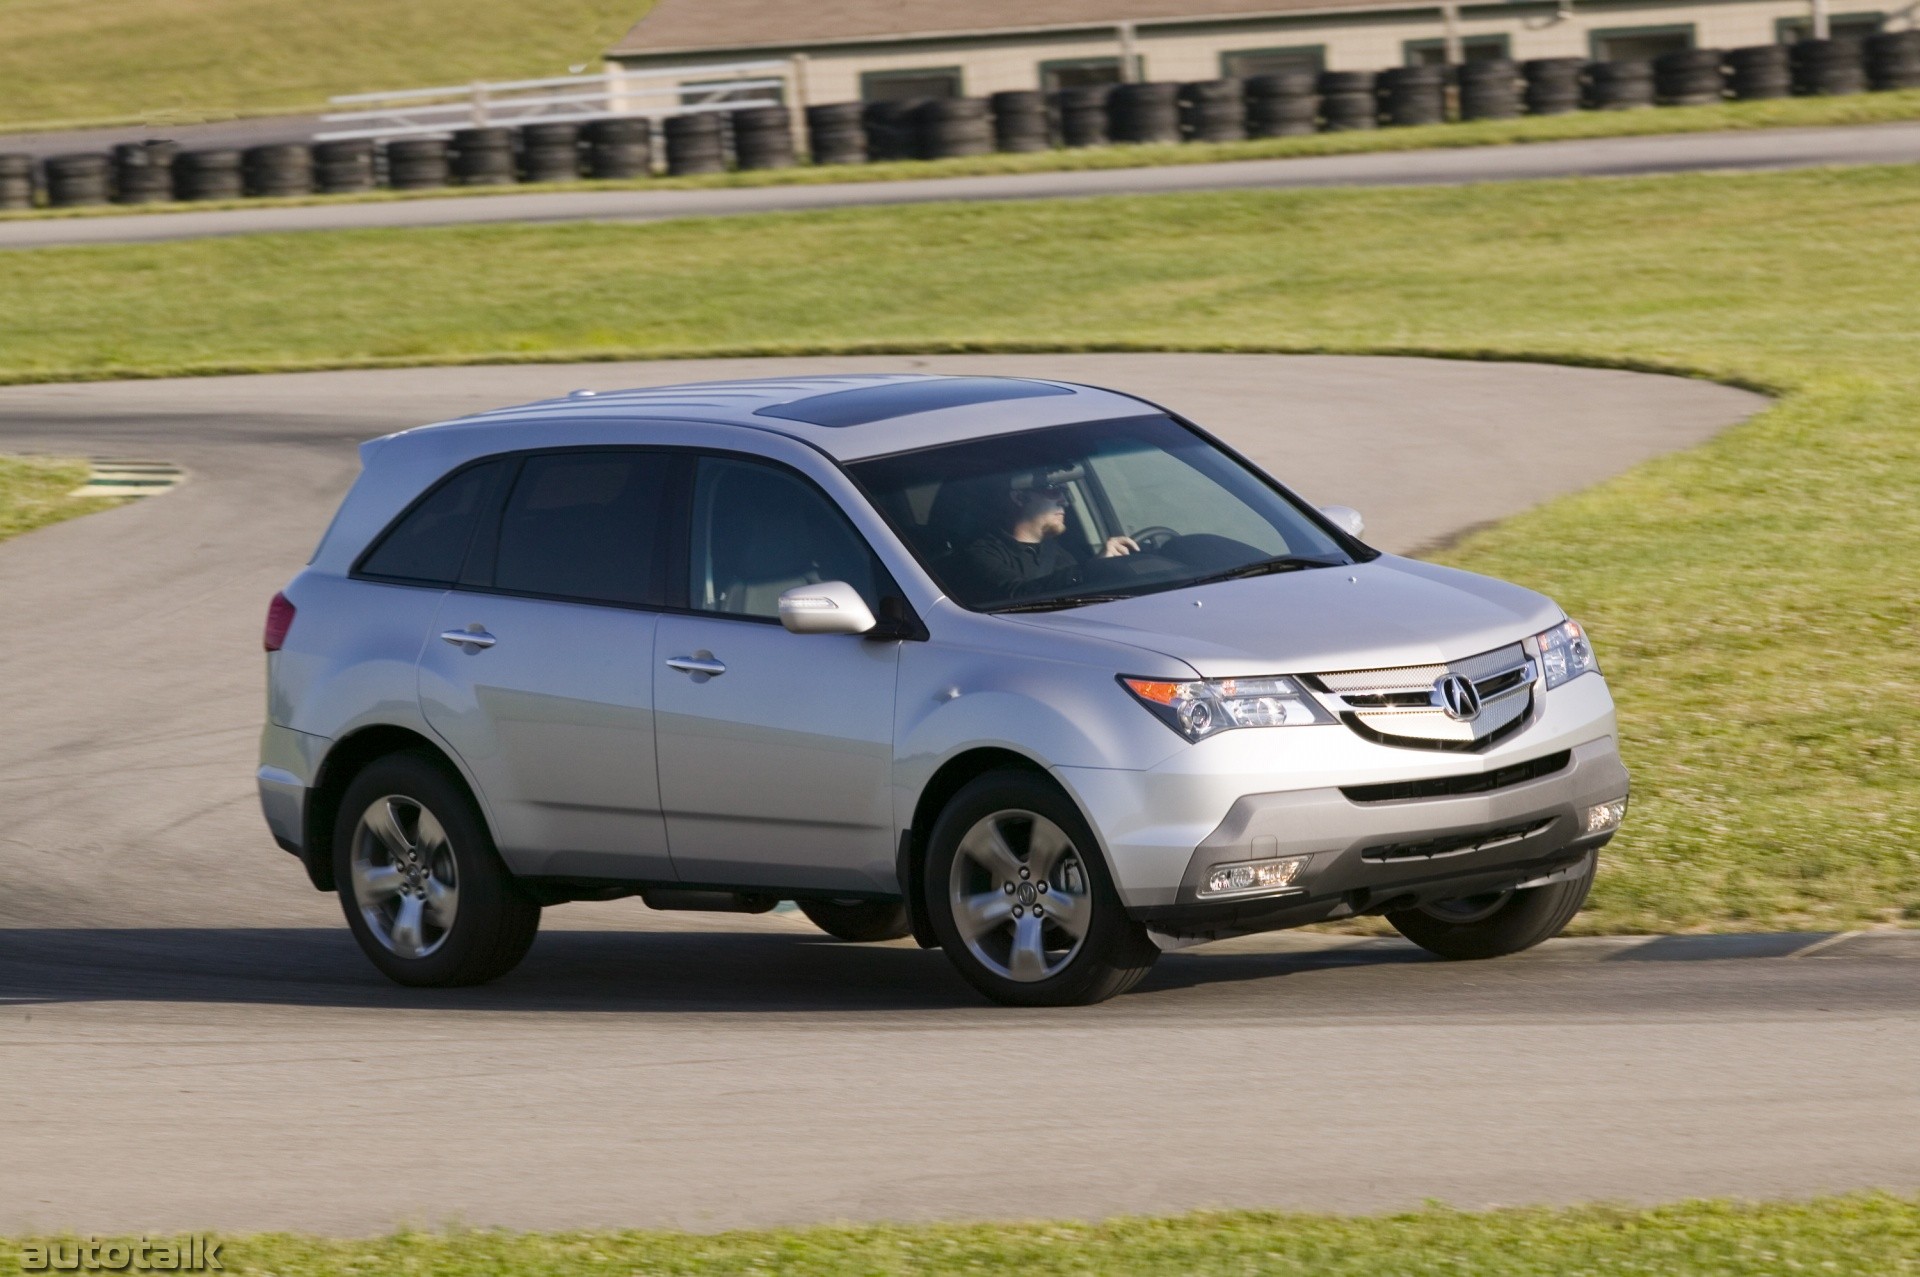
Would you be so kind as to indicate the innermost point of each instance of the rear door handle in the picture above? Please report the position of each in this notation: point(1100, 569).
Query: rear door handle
point(697, 665)
point(474, 638)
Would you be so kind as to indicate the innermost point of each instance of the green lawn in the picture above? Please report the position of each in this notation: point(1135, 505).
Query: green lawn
point(36, 491)
point(1756, 601)
point(1874, 1235)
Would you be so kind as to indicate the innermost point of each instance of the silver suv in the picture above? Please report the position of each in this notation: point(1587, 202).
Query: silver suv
point(1040, 674)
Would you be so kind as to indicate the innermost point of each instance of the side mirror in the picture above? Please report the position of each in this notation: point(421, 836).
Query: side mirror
point(831, 607)
point(1346, 518)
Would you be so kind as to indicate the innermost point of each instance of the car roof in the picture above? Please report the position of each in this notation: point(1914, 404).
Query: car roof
point(848, 417)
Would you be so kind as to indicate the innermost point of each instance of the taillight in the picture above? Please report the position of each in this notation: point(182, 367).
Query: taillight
point(279, 621)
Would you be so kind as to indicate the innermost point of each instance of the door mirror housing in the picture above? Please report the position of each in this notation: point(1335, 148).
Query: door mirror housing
point(831, 607)
point(1346, 518)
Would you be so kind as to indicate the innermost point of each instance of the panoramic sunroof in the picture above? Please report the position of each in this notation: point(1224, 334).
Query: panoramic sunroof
point(904, 398)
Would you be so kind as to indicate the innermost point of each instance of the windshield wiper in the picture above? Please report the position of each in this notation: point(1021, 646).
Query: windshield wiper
point(1059, 604)
point(1265, 567)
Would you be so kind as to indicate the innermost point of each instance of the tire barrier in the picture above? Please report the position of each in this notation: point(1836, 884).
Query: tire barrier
point(1689, 77)
point(1020, 121)
point(16, 182)
point(1144, 113)
point(1213, 111)
point(1412, 95)
point(1283, 104)
point(1828, 68)
point(948, 128)
point(1618, 86)
point(1347, 101)
point(1893, 60)
point(74, 180)
point(889, 127)
point(1082, 113)
point(618, 148)
point(1759, 72)
point(343, 167)
point(695, 144)
point(1553, 85)
point(143, 172)
point(208, 175)
point(762, 137)
point(550, 152)
point(835, 134)
point(1490, 90)
point(417, 163)
point(278, 170)
point(482, 157)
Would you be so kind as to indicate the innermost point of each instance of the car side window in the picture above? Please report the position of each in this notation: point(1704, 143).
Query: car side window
point(759, 531)
point(585, 526)
point(428, 544)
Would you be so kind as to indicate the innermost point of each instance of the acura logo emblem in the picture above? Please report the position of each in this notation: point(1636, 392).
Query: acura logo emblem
point(1458, 697)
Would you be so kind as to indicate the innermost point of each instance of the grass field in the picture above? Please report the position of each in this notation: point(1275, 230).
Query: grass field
point(34, 491)
point(1869, 1236)
point(1755, 601)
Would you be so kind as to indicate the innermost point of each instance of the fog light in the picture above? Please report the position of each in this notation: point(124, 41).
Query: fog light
point(1606, 816)
point(1251, 875)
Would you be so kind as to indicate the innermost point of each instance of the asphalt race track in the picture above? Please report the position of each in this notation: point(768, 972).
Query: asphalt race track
point(189, 1038)
point(1594, 157)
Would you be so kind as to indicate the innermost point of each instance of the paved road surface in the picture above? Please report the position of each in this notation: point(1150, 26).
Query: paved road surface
point(1759, 149)
point(171, 990)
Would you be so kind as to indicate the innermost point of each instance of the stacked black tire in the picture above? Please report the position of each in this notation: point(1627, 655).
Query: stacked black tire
point(1760, 72)
point(1020, 121)
point(763, 137)
point(16, 182)
point(1213, 111)
point(619, 148)
point(279, 170)
point(483, 157)
point(550, 152)
point(695, 144)
point(77, 180)
point(835, 134)
point(1413, 95)
point(949, 128)
point(143, 172)
point(1490, 90)
point(1619, 86)
point(417, 163)
point(1283, 104)
point(1347, 101)
point(344, 166)
point(208, 175)
point(1689, 77)
point(890, 131)
point(1828, 68)
point(1082, 115)
point(1554, 85)
point(1144, 113)
point(1893, 60)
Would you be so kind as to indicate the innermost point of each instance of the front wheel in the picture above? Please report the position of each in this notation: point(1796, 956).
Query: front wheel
point(861, 921)
point(1496, 923)
point(1021, 901)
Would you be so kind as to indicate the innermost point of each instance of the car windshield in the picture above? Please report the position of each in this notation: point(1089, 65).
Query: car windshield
point(1090, 512)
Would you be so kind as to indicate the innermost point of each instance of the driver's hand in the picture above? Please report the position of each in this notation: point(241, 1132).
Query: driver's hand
point(1117, 546)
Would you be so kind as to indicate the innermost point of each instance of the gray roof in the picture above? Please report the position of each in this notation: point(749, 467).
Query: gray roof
point(687, 26)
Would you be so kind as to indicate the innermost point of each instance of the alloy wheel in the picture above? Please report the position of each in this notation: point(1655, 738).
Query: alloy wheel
point(405, 881)
point(1020, 895)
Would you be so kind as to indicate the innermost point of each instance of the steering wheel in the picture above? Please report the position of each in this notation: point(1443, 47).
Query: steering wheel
point(1155, 537)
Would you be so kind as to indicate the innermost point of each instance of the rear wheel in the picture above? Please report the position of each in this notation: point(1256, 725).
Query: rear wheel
point(1496, 923)
point(861, 921)
point(1021, 901)
point(420, 882)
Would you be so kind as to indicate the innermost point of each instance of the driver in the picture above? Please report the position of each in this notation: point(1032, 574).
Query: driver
point(1022, 553)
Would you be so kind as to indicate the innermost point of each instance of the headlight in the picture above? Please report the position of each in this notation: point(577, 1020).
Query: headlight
point(1565, 653)
point(1211, 706)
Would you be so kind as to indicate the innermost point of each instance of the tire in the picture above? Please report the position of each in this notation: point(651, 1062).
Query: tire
point(493, 921)
point(861, 921)
point(1497, 924)
point(1034, 821)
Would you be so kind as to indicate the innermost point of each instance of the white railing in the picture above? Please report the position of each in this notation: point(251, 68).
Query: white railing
point(638, 94)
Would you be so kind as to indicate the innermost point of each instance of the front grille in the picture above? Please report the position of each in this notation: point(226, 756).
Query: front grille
point(1449, 786)
point(1455, 844)
point(1406, 706)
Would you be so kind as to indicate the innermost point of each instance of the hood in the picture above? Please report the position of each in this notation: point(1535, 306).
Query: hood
point(1377, 615)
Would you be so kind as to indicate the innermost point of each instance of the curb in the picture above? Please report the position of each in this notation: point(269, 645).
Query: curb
point(128, 477)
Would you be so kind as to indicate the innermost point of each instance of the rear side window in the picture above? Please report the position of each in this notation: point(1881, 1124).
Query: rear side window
point(429, 542)
point(585, 525)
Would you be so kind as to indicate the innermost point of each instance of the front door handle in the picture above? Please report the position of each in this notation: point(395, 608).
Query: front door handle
point(475, 638)
point(698, 666)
